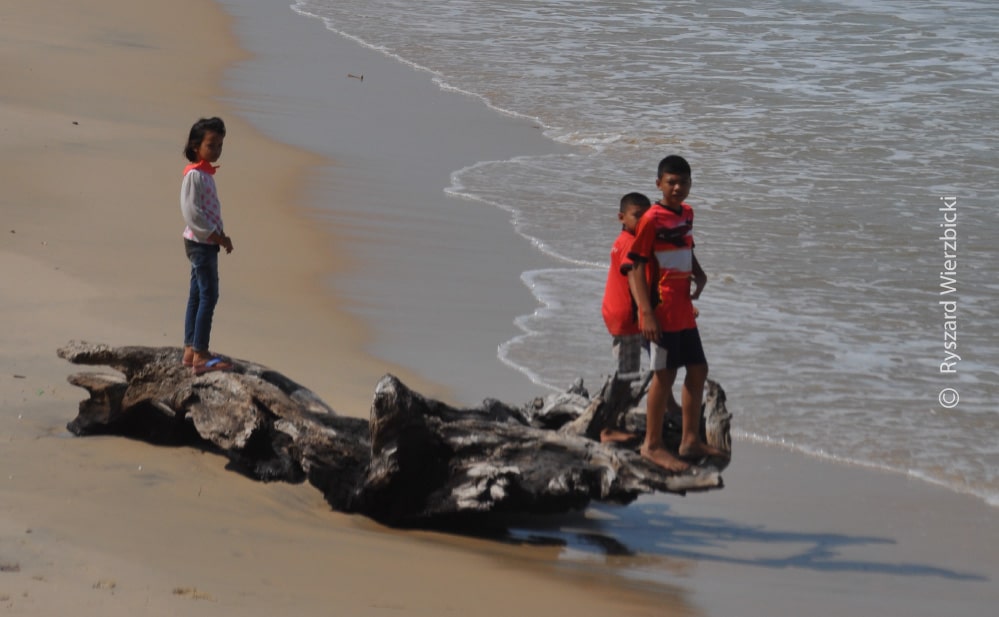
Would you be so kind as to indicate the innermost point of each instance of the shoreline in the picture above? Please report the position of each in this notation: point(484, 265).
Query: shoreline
point(431, 265)
point(121, 527)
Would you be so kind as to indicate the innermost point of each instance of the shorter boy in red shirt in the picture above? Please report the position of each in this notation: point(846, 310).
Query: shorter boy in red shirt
point(619, 309)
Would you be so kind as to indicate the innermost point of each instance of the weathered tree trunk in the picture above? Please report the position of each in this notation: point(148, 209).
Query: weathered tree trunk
point(418, 462)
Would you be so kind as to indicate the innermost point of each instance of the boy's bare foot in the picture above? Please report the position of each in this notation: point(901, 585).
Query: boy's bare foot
point(188, 356)
point(620, 439)
point(660, 456)
point(614, 436)
point(699, 450)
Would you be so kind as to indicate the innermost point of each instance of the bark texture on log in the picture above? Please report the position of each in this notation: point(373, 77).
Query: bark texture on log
point(417, 462)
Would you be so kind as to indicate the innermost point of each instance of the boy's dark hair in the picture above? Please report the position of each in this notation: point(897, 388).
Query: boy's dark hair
point(197, 135)
point(635, 199)
point(673, 164)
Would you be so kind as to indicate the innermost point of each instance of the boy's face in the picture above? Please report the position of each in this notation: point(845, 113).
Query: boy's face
point(629, 218)
point(675, 188)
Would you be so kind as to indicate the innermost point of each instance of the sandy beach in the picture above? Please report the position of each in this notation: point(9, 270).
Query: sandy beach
point(335, 222)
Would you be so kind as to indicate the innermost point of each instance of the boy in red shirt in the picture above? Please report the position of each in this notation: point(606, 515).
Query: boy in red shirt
point(664, 266)
point(619, 310)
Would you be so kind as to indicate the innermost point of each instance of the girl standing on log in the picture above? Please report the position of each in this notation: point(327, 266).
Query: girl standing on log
point(203, 236)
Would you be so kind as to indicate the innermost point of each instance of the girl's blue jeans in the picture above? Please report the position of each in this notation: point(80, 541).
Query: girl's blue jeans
point(204, 294)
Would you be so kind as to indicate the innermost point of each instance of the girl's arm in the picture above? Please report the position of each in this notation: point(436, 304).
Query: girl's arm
point(222, 240)
point(200, 208)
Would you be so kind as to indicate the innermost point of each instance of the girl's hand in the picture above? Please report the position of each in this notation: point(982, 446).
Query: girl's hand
point(222, 240)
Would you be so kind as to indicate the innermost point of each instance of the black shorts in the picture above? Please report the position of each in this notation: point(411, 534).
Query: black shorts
point(682, 348)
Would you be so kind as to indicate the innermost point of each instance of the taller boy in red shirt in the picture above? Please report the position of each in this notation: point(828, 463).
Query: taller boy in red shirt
point(664, 266)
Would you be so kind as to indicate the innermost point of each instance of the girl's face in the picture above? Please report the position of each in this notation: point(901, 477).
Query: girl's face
point(211, 147)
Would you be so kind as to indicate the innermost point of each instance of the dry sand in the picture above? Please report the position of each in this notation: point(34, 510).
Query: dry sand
point(95, 107)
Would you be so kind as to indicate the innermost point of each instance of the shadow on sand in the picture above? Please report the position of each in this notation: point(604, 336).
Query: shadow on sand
point(645, 530)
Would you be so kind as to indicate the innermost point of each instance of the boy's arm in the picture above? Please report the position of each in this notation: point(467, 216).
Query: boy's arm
point(640, 291)
point(699, 277)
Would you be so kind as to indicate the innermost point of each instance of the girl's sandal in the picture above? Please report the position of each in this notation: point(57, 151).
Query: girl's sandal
point(215, 364)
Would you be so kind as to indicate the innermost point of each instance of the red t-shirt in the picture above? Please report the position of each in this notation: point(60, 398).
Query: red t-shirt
point(618, 308)
point(664, 241)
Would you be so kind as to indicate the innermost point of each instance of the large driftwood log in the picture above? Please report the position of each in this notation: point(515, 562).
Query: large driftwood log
point(417, 462)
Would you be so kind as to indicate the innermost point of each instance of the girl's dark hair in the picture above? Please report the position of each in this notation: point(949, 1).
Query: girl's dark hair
point(202, 126)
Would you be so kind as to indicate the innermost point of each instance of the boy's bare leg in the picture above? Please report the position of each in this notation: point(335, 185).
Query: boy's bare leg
point(610, 435)
point(691, 446)
point(653, 449)
point(622, 379)
point(672, 407)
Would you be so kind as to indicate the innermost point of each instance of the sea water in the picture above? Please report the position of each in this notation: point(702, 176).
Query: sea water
point(843, 155)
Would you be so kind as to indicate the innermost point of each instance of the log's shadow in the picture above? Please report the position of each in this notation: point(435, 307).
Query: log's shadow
point(648, 529)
